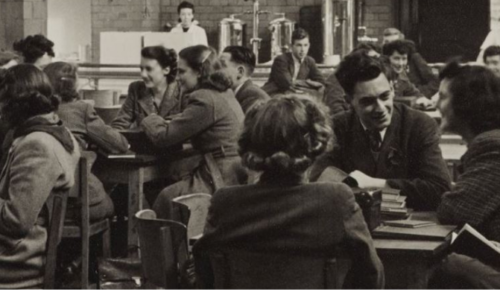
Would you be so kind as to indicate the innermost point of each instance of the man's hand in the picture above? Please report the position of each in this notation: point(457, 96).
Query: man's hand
point(367, 182)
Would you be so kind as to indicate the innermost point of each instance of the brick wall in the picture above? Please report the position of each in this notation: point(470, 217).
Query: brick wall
point(128, 15)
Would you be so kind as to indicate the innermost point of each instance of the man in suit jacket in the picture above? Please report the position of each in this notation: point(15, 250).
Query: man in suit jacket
point(382, 144)
point(239, 63)
point(295, 70)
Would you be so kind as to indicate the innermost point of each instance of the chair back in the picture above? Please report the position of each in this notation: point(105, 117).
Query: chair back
point(102, 98)
point(109, 113)
point(192, 210)
point(56, 224)
point(163, 247)
point(256, 270)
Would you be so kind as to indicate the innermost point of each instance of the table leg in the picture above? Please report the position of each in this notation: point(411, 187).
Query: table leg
point(135, 203)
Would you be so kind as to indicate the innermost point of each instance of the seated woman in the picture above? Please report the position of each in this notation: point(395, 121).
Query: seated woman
point(157, 93)
point(469, 100)
point(211, 121)
point(89, 130)
point(187, 23)
point(282, 213)
point(41, 160)
point(36, 49)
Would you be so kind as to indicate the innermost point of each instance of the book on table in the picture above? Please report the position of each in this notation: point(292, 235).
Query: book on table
point(393, 205)
point(468, 241)
point(431, 232)
point(414, 224)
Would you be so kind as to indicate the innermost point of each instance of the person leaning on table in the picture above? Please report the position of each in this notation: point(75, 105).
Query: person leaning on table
point(469, 101)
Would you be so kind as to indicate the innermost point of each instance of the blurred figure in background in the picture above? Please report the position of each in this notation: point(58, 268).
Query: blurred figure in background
point(36, 49)
point(491, 59)
point(187, 23)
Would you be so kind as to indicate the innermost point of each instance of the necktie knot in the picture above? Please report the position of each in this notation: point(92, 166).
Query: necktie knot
point(375, 140)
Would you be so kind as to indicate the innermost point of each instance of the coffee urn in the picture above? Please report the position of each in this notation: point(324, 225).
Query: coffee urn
point(232, 32)
point(338, 29)
point(281, 35)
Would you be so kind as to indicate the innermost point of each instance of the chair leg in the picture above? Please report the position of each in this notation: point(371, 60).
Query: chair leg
point(85, 261)
point(106, 241)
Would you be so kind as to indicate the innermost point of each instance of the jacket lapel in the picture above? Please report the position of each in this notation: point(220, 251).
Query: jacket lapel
point(391, 154)
point(360, 155)
point(146, 102)
point(291, 63)
point(170, 99)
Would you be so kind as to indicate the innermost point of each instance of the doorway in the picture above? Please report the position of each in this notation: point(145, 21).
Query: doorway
point(450, 28)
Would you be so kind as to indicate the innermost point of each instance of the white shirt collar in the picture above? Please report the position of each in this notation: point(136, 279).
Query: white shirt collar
point(239, 87)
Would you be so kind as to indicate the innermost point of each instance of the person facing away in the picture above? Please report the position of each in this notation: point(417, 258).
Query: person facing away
point(397, 54)
point(382, 143)
point(157, 93)
point(282, 213)
point(469, 100)
point(89, 130)
point(211, 121)
point(491, 59)
point(239, 63)
point(41, 163)
point(419, 72)
point(295, 70)
point(36, 49)
point(187, 24)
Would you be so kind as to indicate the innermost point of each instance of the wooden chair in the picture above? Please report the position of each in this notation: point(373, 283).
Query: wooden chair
point(102, 98)
point(85, 229)
point(56, 223)
point(252, 270)
point(192, 210)
point(163, 247)
point(109, 113)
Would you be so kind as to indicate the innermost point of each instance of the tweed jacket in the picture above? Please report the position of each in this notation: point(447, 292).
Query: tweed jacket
point(475, 198)
point(249, 94)
point(281, 215)
point(139, 104)
point(87, 127)
point(281, 77)
point(410, 158)
point(36, 165)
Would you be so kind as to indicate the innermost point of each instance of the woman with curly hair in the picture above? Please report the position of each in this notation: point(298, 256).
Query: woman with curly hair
point(211, 121)
point(282, 213)
point(41, 162)
point(157, 93)
point(36, 49)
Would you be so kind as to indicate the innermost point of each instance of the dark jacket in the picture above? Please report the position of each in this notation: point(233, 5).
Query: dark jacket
point(422, 77)
point(140, 104)
point(403, 87)
point(334, 97)
point(410, 158)
point(289, 217)
point(475, 198)
point(280, 79)
point(249, 94)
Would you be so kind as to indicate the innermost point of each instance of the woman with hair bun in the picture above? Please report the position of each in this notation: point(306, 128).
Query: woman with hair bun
point(211, 121)
point(36, 49)
point(282, 213)
point(157, 92)
point(41, 163)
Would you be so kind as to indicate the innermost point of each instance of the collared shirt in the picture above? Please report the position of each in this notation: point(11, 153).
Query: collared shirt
point(296, 68)
point(239, 87)
point(382, 132)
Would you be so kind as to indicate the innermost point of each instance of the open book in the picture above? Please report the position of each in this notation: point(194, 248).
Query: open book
point(471, 243)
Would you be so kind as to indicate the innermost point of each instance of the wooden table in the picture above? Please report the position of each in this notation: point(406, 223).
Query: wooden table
point(134, 172)
point(408, 264)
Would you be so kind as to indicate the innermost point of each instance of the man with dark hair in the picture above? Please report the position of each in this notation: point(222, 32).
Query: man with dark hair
point(295, 71)
point(396, 54)
point(381, 144)
point(239, 63)
point(491, 58)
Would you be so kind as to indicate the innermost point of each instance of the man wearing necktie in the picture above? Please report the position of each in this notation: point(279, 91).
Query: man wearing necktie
point(382, 144)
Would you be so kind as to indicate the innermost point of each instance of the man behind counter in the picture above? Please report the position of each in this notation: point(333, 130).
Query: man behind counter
point(382, 144)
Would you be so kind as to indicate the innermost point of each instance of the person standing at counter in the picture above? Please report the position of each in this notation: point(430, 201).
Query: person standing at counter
point(157, 93)
point(187, 24)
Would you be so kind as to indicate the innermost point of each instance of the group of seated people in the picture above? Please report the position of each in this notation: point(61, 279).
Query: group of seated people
point(276, 159)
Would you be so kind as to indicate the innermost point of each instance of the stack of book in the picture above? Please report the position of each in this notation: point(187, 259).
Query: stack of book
point(393, 205)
